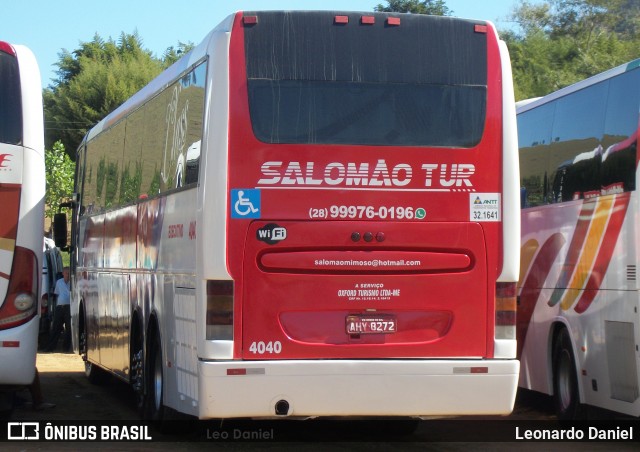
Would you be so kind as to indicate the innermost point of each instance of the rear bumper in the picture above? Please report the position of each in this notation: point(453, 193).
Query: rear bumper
point(357, 388)
point(18, 357)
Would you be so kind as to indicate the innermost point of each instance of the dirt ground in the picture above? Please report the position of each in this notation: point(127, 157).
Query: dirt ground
point(63, 382)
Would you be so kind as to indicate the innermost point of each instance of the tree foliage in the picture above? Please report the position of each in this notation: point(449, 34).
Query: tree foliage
point(561, 42)
point(432, 7)
point(558, 42)
point(95, 79)
point(59, 177)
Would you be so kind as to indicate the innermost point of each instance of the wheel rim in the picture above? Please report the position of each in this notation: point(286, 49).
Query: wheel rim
point(83, 343)
point(137, 366)
point(565, 384)
point(87, 368)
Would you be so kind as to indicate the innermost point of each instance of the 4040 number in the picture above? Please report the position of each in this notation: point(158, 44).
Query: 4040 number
point(261, 348)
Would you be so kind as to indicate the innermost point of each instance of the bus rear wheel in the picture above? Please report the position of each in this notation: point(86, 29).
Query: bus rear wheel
point(137, 373)
point(566, 394)
point(155, 383)
point(7, 403)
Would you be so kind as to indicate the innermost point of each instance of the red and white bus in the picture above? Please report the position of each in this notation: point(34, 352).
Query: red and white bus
point(578, 320)
point(22, 187)
point(310, 214)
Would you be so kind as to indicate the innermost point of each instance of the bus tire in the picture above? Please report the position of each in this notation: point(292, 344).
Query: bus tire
point(137, 371)
point(155, 383)
point(95, 374)
point(566, 394)
point(7, 404)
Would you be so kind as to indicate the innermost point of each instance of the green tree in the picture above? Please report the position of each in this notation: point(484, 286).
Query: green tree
point(59, 174)
point(95, 79)
point(561, 42)
point(432, 7)
point(173, 54)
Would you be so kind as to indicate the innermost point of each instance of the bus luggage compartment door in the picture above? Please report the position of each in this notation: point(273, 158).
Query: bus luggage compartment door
point(364, 290)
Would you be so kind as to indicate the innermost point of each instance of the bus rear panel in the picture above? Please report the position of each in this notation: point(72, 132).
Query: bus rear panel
point(363, 218)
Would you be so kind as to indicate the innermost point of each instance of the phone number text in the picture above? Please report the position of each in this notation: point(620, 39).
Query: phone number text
point(370, 212)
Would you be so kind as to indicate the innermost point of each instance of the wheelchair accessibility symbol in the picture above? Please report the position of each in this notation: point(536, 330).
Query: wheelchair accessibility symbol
point(245, 203)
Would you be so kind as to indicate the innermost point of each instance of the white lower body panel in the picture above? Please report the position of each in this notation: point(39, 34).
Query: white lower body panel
point(18, 348)
point(357, 387)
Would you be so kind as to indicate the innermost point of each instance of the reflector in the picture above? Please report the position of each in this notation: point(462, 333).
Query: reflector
point(11, 344)
point(250, 20)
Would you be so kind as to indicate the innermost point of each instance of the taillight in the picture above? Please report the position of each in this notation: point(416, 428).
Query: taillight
point(219, 310)
point(505, 310)
point(20, 304)
point(44, 304)
point(7, 48)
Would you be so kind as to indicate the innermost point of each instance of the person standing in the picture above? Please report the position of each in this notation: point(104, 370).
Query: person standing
point(62, 314)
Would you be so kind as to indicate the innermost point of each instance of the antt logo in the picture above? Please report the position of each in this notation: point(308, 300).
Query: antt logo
point(4, 158)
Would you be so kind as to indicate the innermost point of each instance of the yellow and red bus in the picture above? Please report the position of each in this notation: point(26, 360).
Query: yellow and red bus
point(578, 324)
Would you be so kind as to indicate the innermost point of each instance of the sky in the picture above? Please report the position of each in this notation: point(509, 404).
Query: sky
point(47, 27)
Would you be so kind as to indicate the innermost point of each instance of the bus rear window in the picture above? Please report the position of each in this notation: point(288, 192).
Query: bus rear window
point(10, 100)
point(423, 83)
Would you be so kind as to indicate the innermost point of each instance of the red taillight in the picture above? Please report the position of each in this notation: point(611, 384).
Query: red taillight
point(219, 310)
point(341, 20)
point(7, 48)
point(367, 20)
point(394, 21)
point(20, 304)
point(506, 310)
point(480, 28)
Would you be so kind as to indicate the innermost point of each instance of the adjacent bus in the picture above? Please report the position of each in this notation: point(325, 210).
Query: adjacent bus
point(22, 187)
point(310, 214)
point(578, 320)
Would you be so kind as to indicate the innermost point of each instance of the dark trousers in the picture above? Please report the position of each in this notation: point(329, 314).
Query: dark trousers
point(61, 316)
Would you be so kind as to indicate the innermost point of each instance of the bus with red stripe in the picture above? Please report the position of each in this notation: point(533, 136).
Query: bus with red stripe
point(311, 214)
point(578, 322)
point(22, 188)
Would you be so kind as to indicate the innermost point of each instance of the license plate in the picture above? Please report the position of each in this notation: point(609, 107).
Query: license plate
point(371, 324)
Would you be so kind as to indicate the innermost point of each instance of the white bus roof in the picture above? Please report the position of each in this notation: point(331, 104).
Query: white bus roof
point(528, 104)
point(157, 84)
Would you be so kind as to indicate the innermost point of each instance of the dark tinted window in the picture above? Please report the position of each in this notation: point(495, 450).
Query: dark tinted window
point(593, 143)
point(153, 150)
point(576, 150)
point(312, 81)
point(10, 100)
point(534, 138)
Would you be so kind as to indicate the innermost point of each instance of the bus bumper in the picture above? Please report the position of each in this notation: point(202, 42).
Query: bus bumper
point(357, 388)
point(18, 348)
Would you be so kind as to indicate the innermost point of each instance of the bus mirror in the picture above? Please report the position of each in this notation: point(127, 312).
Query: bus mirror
point(60, 230)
